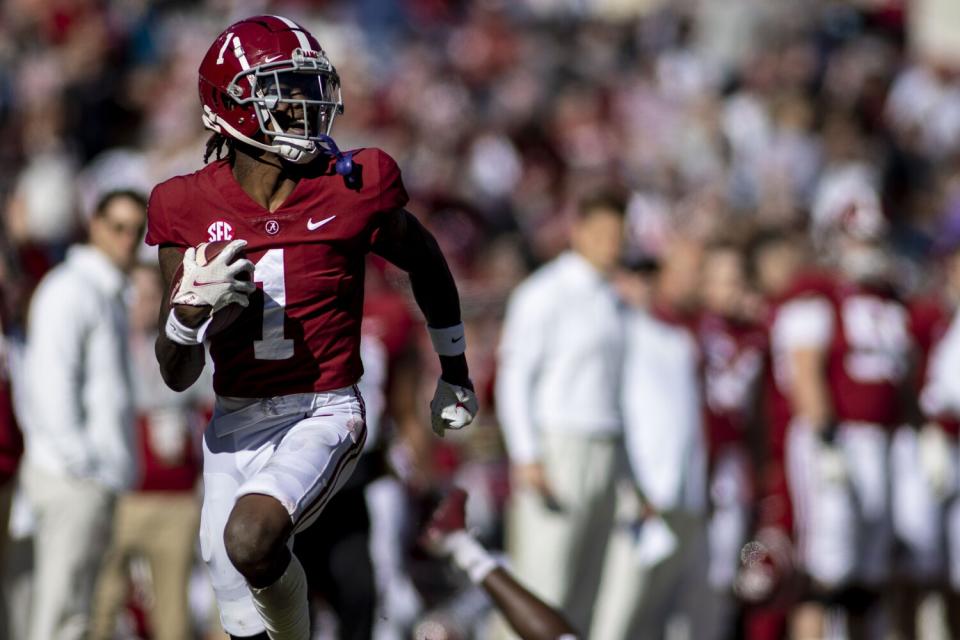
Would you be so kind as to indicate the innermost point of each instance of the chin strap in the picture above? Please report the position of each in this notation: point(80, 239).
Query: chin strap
point(293, 150)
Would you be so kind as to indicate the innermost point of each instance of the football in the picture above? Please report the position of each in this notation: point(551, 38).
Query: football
point(226, 316)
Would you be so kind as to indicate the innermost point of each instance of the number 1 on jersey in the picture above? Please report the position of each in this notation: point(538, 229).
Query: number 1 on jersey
point(272, 345)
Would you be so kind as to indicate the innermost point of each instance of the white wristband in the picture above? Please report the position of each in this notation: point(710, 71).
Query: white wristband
point(470, 556)
point(449, 341)
point(182, 334)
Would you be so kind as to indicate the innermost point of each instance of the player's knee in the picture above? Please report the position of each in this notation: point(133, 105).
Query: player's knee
point(255, 541)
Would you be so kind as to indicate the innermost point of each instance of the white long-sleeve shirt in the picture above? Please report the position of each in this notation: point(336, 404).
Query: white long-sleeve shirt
point(662, 414)
point(78, 394)
point(560, 357)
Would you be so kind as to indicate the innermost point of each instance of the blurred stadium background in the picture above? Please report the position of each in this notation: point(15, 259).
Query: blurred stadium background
point(720, 118)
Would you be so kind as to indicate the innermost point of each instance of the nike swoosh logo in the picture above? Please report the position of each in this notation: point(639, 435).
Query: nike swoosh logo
point(456, 339)
point(197, 283)
point(271, 59)
point(313, 226)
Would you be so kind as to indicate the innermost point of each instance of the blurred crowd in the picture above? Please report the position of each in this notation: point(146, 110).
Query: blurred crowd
point(735, 141)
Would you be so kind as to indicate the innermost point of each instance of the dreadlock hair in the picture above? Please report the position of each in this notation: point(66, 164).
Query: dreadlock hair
point(215, 146)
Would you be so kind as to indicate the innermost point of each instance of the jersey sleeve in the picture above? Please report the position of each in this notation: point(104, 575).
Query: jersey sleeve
point(805, 323)
point(393, 195)
point(160, 229)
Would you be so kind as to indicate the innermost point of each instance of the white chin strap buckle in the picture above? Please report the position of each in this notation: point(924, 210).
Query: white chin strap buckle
point(296, 150)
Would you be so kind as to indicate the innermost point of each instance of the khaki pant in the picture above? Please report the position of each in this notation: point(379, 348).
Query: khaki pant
point(161, 527)
point(73, 519)
point(558, 550)
point(640, 602)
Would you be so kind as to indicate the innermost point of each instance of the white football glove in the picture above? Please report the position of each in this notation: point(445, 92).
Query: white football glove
point(452, 407)
point(215, 284)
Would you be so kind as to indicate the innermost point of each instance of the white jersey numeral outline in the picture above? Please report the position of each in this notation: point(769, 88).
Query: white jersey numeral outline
point(272, 345)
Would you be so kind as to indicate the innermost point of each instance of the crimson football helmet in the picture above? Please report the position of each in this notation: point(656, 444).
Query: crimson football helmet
point(266, 82)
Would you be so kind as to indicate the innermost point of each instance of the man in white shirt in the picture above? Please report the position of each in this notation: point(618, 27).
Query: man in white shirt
point(558, 402)
point(656, 571)
point(78, 417)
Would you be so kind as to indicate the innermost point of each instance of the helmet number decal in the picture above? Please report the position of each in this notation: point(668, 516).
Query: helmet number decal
point(223, 49)
point(272, 345)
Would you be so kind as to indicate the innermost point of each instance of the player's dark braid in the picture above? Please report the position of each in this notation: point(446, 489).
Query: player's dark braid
point(215, 147)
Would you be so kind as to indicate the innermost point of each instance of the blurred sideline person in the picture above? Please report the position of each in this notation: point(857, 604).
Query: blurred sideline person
point(158, 521)
point(289, 420)
point(841, 349)
point(656, 567)
point(78, 414)
point(445, 535)
point(558, 404)
point(734, 351)
point(11, 450)
point(926, 462)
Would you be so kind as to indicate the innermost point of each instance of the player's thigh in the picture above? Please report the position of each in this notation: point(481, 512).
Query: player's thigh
point(824, 512)
point(867, 453)
point(917, 513)
point(312, 460)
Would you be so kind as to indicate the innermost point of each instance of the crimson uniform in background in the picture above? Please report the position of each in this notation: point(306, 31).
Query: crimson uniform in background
point(733, 356)
point(925, 459)
point(842, 512)
point(295, 349)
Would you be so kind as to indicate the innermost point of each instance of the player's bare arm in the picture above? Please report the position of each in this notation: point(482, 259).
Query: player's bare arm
point(406, 243)
point(811, 399)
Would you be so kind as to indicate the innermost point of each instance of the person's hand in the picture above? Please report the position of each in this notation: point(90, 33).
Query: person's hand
point(222, 281)
point(533, 476)
point(453, 407)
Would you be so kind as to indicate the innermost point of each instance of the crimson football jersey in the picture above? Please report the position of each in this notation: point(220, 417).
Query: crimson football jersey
point(868, 353)
point(733, 355)
point(929, 320)
point(301, 332)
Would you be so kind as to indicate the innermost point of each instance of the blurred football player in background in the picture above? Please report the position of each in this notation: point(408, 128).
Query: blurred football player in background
point(300, 217)
point(841, 352)
point(925, 458)
point(79, 422)
point(734, 353)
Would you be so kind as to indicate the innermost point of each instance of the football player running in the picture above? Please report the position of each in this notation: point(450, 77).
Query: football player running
point(299, 216)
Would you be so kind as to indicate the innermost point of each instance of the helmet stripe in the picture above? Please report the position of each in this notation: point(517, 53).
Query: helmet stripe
point(297, 31)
